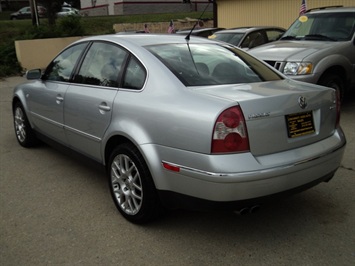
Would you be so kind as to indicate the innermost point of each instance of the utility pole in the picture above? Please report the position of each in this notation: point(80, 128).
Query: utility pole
point(34, 13)
point(215, 18)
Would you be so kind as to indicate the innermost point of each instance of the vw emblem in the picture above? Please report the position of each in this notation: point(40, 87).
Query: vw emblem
point(302, 102)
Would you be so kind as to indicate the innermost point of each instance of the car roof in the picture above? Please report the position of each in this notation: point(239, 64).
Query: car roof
point(331, 9)
point(248, 29)
point(142, 39)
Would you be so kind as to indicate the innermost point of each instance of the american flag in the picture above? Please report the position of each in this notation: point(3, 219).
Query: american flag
point(171, 27)
point(303, 7)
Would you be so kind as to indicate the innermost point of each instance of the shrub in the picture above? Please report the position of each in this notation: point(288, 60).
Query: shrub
point(9, 65)
point(70, 26)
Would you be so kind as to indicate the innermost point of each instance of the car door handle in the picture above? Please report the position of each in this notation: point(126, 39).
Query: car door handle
point(104, 107)
point(59, 99)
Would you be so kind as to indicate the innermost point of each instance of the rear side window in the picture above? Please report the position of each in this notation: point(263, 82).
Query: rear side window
point(134, 76)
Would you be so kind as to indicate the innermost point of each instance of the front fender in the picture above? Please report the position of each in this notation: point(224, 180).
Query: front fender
point(19, 95)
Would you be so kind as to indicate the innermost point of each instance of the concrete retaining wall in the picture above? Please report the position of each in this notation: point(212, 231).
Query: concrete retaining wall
point(39, 53)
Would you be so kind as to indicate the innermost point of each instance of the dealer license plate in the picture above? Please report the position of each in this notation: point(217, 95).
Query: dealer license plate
point(300, 124)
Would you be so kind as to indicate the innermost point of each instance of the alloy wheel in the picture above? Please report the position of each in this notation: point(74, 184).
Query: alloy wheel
point(126, 184)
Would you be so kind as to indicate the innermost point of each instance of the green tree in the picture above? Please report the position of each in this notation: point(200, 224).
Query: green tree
point(52, 6)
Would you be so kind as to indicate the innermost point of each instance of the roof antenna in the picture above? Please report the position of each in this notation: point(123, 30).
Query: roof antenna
point(198, 20)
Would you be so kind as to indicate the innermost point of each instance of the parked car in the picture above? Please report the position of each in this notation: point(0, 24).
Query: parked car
point(249, 37)
point(182, 123)
point(68, 11)
point(319, 48)
point(202, 32)
point(25, 13)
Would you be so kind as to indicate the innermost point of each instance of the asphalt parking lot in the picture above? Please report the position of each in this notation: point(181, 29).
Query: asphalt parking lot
point(56, 210)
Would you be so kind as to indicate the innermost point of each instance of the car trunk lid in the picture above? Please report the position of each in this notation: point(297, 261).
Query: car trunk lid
point(281, 115)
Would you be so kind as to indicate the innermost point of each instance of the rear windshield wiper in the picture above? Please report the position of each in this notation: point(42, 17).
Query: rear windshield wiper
point(319, 37)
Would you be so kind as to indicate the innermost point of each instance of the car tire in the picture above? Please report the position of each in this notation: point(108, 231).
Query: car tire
point(131, 185)
point(333, 81)
point(25, 135)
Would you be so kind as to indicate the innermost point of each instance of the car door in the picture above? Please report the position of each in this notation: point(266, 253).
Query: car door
point(89, 100)
point(46, 101)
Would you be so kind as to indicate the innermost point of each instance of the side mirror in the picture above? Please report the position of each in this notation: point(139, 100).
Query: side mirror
point(34, 74)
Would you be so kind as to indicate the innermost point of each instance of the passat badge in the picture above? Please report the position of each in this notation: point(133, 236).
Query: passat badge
point(302, 102)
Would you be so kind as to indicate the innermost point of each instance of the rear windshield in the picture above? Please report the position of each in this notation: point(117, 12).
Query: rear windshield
point(212, 64)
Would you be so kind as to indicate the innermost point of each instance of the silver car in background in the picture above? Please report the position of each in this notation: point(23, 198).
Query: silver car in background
point(319, 48)
point(68, 11)
point(249, 37)
point(182, 122)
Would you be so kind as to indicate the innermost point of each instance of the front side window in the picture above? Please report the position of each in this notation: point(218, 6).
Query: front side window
point(61, 68)
point(101, 65)
point(212, 64)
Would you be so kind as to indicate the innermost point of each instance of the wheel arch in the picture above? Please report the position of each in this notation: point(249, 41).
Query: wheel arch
point(124, 131)
point(148, 152)
point(335, 64)
point(338, 70)
point(15, 100)
point(19, 99)
point(334, 72)
point(30, 138)
point(112, 143)
point(20, 96)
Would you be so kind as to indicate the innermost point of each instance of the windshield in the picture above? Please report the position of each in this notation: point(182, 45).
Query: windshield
point(323, 27)
point(212, 64)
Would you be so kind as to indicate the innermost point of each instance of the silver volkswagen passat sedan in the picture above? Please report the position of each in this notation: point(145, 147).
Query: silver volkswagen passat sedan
point(182, 122)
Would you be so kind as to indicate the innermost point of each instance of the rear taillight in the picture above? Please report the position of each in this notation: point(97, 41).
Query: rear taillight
point(230, 132)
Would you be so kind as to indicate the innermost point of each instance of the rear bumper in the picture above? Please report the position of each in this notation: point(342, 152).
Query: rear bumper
point(173, 200)
point(229, 179)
